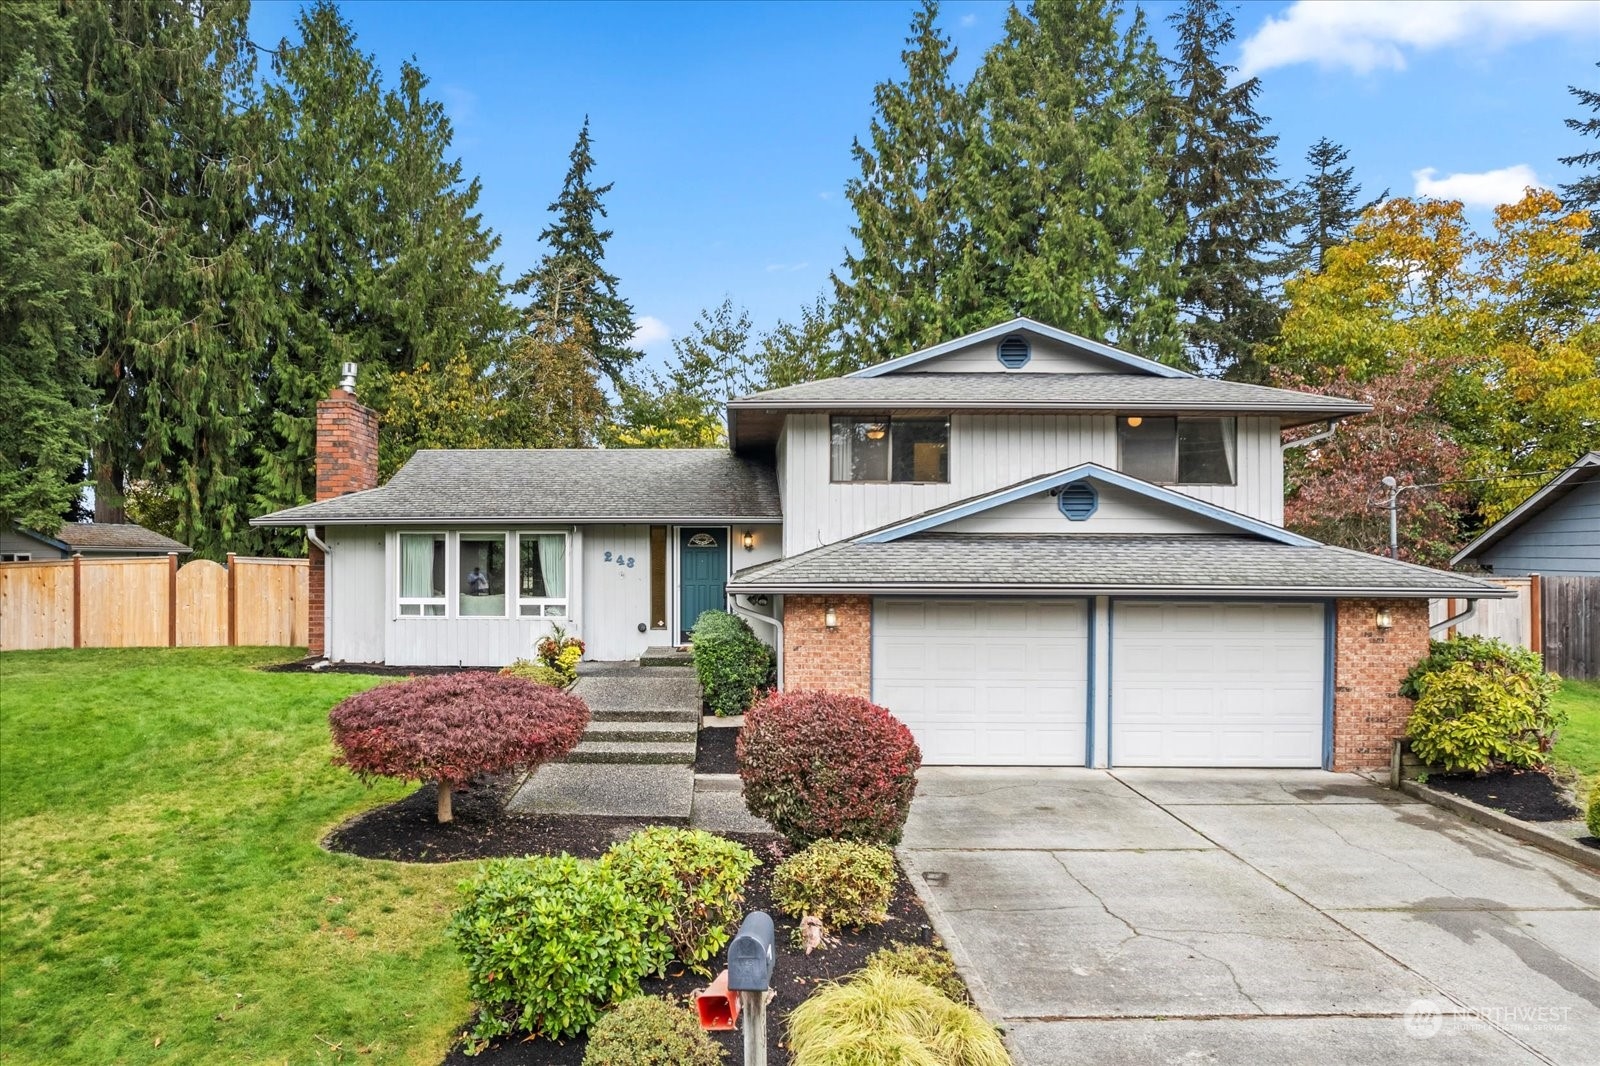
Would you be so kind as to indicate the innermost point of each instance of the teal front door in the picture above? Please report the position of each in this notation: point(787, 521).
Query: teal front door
point(702, 574)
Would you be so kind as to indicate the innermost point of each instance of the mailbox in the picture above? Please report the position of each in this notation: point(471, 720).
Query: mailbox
point(751, 955)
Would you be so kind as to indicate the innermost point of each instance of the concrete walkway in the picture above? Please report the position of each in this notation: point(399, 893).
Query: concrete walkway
point(1161, 916)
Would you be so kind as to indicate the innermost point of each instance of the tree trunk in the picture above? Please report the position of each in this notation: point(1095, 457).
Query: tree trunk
point(444, 802)
point(109, 501)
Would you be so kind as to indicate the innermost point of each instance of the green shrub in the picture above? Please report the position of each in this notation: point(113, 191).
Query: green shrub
point(847, 885)
point(691, 883)
point(932, 966)
point(549, 942)
point(1472, 714)
point(646, 1031)
point(1594, 807)
point(882, 1019)
point(1480, 651)
point(730, 661)
point(537, 672)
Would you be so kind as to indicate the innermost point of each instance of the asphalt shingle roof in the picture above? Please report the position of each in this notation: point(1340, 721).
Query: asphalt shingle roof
point(115, 536)
point(1078, 563)
point(566, 485)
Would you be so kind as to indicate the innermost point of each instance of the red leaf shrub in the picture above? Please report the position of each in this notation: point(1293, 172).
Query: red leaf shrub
point(449, 728)
point(825, 766)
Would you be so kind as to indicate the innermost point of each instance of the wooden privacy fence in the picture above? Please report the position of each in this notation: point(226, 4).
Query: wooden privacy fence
point(1558, 617)
point(152, 602)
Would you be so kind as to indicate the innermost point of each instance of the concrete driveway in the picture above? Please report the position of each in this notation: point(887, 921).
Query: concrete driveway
point(1169, 916)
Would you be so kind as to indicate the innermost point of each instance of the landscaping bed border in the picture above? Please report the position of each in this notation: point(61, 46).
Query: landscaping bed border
point(1527, 832)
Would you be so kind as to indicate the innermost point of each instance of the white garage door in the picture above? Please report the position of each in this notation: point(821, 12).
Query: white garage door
point(985, 682)
point(1216, 684)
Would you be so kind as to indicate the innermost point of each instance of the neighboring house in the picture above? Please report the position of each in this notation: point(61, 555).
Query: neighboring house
point(92, 540)
point(1033, 548)
point(1556, 531)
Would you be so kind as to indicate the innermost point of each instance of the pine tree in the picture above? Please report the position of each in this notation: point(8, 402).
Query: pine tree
point(901, 291)
point(1328, 206)
point(1585, 192)
point(570, 282)
point(1064, 180)
point(1223, 186)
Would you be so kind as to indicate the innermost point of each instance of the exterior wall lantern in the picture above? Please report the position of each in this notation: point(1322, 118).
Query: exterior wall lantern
point(830, 617)
point(1385, 620)
point(749, 541)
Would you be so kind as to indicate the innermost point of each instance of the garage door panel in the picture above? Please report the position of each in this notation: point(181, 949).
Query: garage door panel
point(994, 682)
point(1217, 684)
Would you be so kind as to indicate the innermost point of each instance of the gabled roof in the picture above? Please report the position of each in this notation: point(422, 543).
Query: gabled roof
point(1086, 565)
point(469, 486)
point(110, 537)
point(1094, 472)
point(1583, 471)
point(1026, 325)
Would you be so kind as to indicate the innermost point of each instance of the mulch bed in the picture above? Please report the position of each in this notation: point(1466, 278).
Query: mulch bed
point(1531, 795)
point(309, 666)
point(714, 753)
point(407, 831)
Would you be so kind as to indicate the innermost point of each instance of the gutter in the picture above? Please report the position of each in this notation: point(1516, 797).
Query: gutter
point(1439, 627)
point(750, 616)
point(1111, 407)
point(1314, 438)
point(503, 521)
point(1131, 592)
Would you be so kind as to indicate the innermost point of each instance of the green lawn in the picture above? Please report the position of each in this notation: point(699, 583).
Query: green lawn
point(1578, 746)
point(162, 894)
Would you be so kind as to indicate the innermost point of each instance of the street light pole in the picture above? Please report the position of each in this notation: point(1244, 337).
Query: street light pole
point(1394, 516)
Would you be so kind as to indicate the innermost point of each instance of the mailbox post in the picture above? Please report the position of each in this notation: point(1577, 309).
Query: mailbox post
point(750, 960)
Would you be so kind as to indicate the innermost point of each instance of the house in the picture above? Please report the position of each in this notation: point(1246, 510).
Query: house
point(1032, 547)
point(92, 540)
point(1556, 531)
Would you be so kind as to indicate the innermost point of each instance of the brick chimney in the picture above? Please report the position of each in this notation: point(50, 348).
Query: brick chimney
point(347, 461)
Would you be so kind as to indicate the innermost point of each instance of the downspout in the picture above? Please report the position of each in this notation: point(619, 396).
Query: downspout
point(1472, 609)
point(327, 614)
point(1303, 441)
point(733, 604)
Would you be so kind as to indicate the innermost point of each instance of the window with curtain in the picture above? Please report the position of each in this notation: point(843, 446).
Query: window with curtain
point(542, 575)
point(481, 575)
point(1178, 451)
point(422, 566)
point(871, 448)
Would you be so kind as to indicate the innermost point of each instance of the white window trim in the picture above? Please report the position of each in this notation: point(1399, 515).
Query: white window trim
point(888, 421)
point(542, 601)
point(421, 602)
point(16, 557)
point(453, 567)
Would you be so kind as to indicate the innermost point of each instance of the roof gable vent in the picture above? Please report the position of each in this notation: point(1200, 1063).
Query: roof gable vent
point(1078, 501)
point(1014, 352)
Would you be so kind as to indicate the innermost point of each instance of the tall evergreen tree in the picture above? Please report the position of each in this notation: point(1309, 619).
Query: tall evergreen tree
point(1223, 186)
point(1585, 192)
point(1328, 206)
point(1064, 178)
point(570, 283)
point(902, 290)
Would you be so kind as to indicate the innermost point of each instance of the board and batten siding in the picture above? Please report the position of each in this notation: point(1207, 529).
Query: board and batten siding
point(354, 594)
point(1564, 538)
point(616, 596)
point(990, 452)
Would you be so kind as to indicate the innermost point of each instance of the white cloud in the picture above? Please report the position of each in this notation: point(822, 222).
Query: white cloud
point(1364, 36)
point(786, 268)
point(650, 331)
point(968, 20)
point(1489, 189)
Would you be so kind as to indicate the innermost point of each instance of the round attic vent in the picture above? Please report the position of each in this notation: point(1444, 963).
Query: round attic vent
point(1078, 501)
point(1014, 352)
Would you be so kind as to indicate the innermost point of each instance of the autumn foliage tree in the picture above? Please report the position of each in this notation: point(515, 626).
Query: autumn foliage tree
point(450, 728)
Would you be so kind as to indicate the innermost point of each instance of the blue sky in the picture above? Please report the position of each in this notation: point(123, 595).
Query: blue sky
point(727, 128)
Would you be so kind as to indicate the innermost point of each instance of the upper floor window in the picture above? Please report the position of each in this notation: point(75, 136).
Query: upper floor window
point(890, 450)
point(1178, 451)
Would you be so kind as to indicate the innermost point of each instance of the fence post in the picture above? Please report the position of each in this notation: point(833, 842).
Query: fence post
point(1536, 614)
point(172, 599)
point(233, 600)
point(77, 599)
point(1450, 612)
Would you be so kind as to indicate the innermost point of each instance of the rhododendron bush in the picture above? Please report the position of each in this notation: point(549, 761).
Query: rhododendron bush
point(450, 728)
point(826, 766)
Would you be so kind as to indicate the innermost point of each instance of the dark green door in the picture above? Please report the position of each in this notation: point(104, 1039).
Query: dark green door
point(702, 574)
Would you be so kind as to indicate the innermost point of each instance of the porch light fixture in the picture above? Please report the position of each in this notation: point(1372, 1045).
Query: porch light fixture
point(876, 431)
point(1135, 421)
point(749, 541)
point(830, 617)
point(1385, 620)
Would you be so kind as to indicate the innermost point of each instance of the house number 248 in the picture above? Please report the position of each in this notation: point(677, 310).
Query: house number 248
point(620, 559)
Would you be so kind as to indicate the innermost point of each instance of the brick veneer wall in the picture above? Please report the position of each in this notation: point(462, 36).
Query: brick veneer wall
point(347, 461)
point(816, 657)
point(1369, 664)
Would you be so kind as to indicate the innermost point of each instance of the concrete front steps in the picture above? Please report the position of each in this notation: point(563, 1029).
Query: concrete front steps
point(666, 657)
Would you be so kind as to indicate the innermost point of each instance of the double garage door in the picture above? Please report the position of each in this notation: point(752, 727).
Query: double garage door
point(1013, 682)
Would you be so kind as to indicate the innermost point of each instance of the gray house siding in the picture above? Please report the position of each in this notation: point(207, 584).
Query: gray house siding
point(1562, 539)
point(14, 543)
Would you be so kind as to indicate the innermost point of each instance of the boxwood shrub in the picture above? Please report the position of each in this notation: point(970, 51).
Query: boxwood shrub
point(847, 885)
point(826, 766)
point(1481, 702)
point(933, 966)
point(691, 883)
point(550, 942)
point(732, 663)
point(646, 1031)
